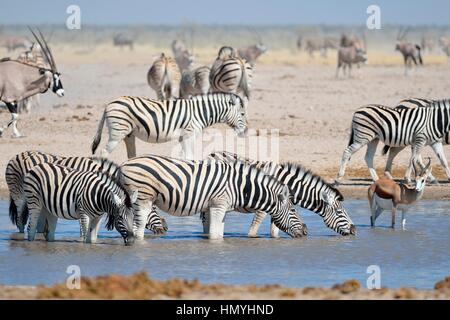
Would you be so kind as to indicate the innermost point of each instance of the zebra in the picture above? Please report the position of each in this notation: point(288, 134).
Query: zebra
point(195, 82)
point(396, 127)
point(435, 145)
point(160, 121)
point(164, 77)
point(60, 192)
point(21, 163)
point(308, 190)
point(187, 187)
point(229, 73)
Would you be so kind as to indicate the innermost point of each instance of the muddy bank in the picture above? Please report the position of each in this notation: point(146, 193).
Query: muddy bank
point(140, 286)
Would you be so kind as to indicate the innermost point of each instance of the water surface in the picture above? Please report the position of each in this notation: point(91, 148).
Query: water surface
point(417, 257)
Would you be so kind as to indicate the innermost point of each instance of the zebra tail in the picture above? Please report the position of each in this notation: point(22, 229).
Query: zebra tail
point(385, 150)
point(352, 137)
point(419, 54)
point(25, 214)
point(244, 80)
point(12, 211)
point(98, 134)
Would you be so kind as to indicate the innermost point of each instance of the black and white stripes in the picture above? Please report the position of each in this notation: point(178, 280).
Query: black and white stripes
point(60, 192)
point(160, 121)
point(181, 188)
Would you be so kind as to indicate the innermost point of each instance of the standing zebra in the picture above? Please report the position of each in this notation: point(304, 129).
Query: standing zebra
point(435, 145)
point(308, 191)
point(60, 192)
point(161, 121)
point(396, 127)
point(184, 188)
point(195, 82)
point(164, 77)
point(230, 73)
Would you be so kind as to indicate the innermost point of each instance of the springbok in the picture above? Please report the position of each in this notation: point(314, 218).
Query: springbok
point(386, 194)
point(21, 80)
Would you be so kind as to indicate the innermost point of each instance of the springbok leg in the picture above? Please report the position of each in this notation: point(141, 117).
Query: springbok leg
point(394, 210)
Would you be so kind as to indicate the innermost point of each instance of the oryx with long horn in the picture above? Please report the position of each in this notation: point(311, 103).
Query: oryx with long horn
point(386, 194)
point(411, 52)
point(20, 80)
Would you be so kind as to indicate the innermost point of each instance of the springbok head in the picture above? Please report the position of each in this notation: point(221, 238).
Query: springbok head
point(422, 175)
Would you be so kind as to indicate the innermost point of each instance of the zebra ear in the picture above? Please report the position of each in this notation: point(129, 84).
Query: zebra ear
point(284, 196)
point(117, 200)
point(326, 197)
point(134, 196)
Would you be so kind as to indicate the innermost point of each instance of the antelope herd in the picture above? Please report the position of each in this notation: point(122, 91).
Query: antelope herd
point(189, 98)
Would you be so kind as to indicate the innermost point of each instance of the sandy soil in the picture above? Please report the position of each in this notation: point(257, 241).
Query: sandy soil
point(307, 107)
point(140, 286)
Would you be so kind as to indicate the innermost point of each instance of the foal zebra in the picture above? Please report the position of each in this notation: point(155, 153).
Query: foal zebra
point(60, 192)
point(184, 188)
point(161, 121)
point(435, 145)
point(230, 73)
point(396, 127)
point(308, 190)
point(164, 77)
point(22, 163)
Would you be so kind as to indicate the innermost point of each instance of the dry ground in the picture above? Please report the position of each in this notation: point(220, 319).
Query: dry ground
point(293, 94)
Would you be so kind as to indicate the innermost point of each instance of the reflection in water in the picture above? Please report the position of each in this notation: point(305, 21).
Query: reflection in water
point(416, 257)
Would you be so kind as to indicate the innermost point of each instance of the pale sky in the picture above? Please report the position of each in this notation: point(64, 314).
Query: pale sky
point(247, 12)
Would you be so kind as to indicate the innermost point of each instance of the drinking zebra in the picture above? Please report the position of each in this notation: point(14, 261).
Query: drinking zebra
point(184, 188)
point(195, 82)
point(164, 77)
point(308, 190)
point(396, 127)
point(21, 164)
point(230, 73)
point(60, 192)
point(435, 145)
point(160, 121)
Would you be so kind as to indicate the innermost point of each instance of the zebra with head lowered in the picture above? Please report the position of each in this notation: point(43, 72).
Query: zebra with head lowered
point(161, 121)
point(184, 188)
point(20, 80)
point(22, 163)
point(164, 77)
point(435, 145)
point(396, 127)
point(229, 73)
point(308, 190)
point(56, 192)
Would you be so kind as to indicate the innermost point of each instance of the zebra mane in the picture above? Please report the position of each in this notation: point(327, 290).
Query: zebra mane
point(210, 96)
point(292, 166)
point(112, 173)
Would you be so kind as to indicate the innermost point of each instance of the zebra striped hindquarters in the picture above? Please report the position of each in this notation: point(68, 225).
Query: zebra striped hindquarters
point(21, 163)
point(184, 188)
point(396, 127)
point(308, 190)
point(160, 121)
point(164, 77)
point(195, 82)
point(230, 73)
point(60, 192)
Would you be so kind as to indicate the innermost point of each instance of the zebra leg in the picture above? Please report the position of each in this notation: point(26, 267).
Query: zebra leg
point(370, 153)
point(130, 143)
point(142, 210)
point(348, 152)
point(84, 226)
point(94, 225)
point(115, 136)
point(257, 220)
point(393, 152)
point(42, 226)
point(217, 222)
point(274, 230)
point(32, 224)
point(415, 154)
point(51, 226)
point(204, 216)
point(439, 151)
